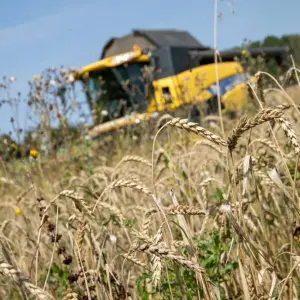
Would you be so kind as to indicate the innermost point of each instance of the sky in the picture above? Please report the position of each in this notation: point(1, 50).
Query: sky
point(37, 34)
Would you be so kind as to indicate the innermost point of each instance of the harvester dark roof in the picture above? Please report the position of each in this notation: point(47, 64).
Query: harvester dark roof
point(170, 38)
point(150, 39)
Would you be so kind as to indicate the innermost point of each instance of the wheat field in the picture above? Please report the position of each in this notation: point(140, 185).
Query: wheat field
point(190, 212)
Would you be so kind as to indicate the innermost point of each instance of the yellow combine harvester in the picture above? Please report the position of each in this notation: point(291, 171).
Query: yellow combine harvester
point(148, 72)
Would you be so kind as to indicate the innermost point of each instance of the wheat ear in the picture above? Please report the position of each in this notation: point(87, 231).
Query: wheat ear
point(130, 183)
point(80, 203)
point(147, 220)
point(136, 159)
point(290, 133)
point(260, 86)
point(162, 251)
point(113, 209)
point(80, 232)
point(250, 282)
point(133, 184)
point(184, 210)
point(156, 260)
point(70, 295)
point(268, 143)
point(210, 145)
point(166, 253)
point(244, 124)
point(130, 158)
point(135, 260)
point(10, 272)
point(197, 129)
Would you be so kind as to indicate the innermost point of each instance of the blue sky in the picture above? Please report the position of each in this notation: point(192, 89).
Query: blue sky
point(36, 34)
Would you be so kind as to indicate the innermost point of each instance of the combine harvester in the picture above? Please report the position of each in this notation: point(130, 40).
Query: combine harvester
point(146, 73)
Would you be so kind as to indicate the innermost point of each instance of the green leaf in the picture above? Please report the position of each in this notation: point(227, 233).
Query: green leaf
point(203, 244)
point(219, 195)
point(229, 267)
point(140, 287)
point(210, 261)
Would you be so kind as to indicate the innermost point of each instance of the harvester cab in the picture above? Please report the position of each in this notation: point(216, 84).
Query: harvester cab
point(148, 72)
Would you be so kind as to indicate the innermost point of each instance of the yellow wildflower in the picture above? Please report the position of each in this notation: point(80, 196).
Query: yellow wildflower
point(34, 153)
point(243, 52)
point(13, 145)
point(35, 77)
point(18, 211)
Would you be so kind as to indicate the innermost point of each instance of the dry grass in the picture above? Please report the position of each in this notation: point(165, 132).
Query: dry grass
point(217, 219)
